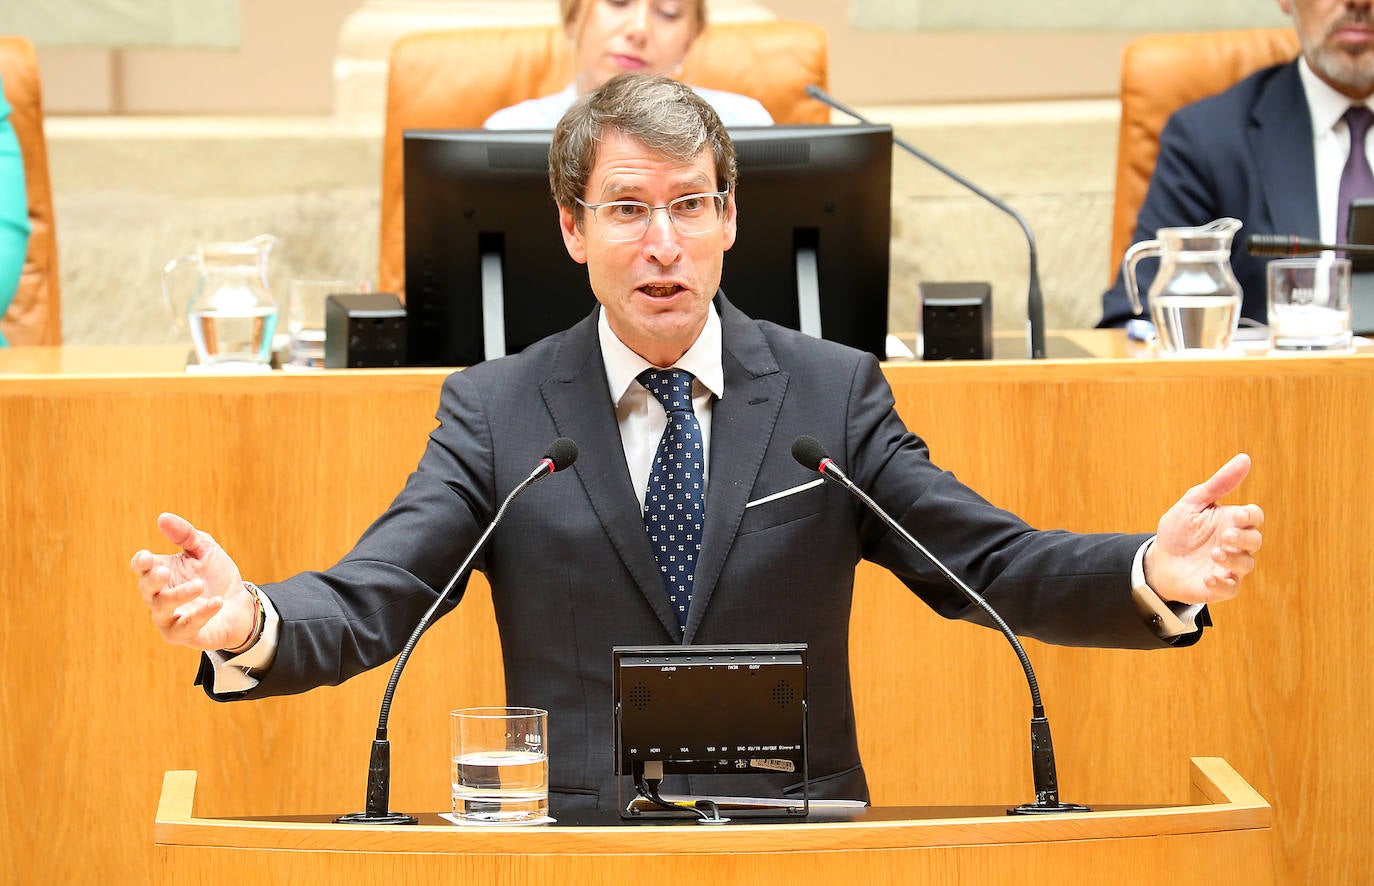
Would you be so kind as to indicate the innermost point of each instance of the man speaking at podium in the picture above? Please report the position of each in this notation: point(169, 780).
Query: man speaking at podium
point(680, 404)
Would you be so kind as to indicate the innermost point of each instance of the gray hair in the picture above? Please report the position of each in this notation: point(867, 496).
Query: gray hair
point(665, 116)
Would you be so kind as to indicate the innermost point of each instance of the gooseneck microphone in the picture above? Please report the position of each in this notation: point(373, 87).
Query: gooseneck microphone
point(809, 452)
point(560, 454)
point(1288, 245)
point(1035, 303)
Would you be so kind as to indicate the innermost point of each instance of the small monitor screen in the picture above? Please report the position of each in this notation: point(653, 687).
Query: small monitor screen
point(735, 710)
point(711, 709)
point(487, 273)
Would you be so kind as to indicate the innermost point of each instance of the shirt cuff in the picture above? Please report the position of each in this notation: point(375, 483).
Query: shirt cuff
point(1168, 619)
point(235, 673)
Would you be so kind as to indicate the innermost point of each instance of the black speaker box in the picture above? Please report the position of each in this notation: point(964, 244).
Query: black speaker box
point(364, 330)
point(956, 321)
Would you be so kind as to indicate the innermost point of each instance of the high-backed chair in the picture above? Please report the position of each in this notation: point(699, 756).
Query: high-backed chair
point(34, 317)
point(456, 79)
point(1161, 73)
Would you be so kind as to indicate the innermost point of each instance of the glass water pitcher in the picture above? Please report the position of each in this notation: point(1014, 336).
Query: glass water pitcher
point(220, 292)
point(1195, 298)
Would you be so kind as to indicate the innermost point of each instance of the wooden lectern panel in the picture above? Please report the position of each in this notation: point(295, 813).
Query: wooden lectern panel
point(286, 471)
point(1226, 833)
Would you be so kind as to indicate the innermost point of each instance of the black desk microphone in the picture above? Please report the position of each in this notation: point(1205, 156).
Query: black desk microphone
point(1035, 303)
point(809, 452)
point(560, 454)
point(1288, 245)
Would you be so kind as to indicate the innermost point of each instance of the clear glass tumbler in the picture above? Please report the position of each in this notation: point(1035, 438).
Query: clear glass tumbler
point(500, 771)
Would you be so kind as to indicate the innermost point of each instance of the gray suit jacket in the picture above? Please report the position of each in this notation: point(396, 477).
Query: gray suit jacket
point(572, 573)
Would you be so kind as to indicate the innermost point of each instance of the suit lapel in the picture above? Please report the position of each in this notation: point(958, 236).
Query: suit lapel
point(742, 423)
point(1280, 137)
point(578, 399)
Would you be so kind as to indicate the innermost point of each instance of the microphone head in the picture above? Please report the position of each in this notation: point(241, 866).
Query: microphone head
point(1280, 244)
point(809, 452)
point(562, 453)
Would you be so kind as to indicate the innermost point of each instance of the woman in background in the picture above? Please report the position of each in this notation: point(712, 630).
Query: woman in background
point(14, 211)
point(612, 37)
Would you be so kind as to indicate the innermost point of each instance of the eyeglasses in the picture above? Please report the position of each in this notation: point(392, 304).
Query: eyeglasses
point(621, 221)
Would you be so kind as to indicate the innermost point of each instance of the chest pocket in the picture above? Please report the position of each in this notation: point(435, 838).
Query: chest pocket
point(785, 506)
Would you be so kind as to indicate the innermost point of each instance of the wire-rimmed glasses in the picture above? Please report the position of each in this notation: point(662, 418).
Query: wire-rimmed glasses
point(691, 215)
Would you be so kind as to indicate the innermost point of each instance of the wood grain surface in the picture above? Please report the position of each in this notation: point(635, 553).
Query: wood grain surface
point(1225, 834)
point(287, 470)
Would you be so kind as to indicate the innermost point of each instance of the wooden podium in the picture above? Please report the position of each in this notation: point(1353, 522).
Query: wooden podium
point(95, 441)
point(1224, 833)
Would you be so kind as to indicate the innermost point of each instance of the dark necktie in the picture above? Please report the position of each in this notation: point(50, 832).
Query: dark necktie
point(674, 502)
point(1356, 179)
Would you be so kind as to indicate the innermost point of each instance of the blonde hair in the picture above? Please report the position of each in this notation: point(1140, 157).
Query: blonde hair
point(574, 14)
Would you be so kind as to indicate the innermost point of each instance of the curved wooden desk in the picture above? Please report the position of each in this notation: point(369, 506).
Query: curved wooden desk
point(1224, 833)
point(287, 470)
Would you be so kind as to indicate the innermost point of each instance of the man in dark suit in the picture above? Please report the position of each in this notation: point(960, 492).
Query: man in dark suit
point(1271, 150)
point(644, 177)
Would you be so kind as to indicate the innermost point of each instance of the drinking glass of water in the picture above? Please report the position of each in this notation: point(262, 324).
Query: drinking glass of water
point(1309, 304)
point(305, 317)
point(500, 771)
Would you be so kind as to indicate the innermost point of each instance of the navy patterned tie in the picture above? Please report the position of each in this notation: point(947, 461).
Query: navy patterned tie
point(674, 502)
point(1356, 179)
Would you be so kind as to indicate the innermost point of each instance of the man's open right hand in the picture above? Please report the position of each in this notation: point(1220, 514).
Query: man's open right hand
point(196, 597)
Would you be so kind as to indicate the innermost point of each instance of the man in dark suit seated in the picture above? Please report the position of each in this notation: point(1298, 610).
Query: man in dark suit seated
point(644, 177)
point(1272, 151)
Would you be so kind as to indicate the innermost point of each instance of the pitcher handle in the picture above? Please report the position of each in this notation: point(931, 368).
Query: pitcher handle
point(177, 312)
point(1143, 249)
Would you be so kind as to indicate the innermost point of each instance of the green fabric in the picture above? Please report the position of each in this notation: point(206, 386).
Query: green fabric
point(14, 211)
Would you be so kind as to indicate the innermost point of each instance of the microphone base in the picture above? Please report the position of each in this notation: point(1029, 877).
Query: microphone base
point(376, 818)
point(1047, 809)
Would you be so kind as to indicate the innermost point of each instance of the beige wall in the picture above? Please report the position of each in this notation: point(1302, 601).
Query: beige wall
point(134, 192)
point(871, 67)
point(285, 65)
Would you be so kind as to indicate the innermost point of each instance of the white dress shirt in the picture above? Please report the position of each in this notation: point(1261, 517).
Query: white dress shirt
point(544, 113)
point(641, 416)
point(1330, 144)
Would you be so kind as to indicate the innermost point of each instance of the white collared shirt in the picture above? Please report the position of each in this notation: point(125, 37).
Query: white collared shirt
point(545, 112)
point(1330, 144)
point(639, 413)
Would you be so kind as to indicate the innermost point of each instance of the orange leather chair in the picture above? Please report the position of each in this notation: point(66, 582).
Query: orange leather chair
point(456, 79)
point(34, 317)
point(1160, 74)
